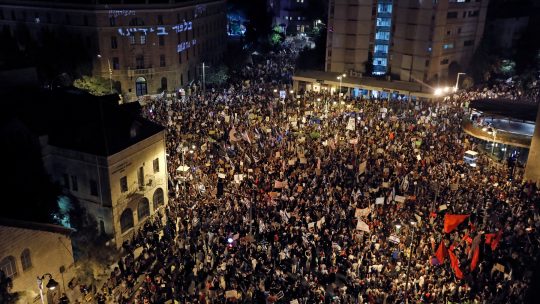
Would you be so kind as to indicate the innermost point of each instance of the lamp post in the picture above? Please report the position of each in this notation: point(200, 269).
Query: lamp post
point(51, 285)
point(204, 66)
point(110, 71)
point(457, 81)
point(413, 224)
point(340, 78)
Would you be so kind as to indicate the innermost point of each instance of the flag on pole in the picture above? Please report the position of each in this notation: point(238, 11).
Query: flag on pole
point(441, 253)
point(451, 221)
point(454, 263)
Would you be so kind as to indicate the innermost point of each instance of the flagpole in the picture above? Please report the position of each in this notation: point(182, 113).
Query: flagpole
point(409, 264)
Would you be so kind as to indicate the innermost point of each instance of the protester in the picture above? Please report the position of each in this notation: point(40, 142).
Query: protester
point(325, 202)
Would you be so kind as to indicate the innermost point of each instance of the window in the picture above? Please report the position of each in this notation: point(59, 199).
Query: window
point(468, 43)
point(161, 40)
point(383, 21)
point(131, 40)
point(143, 209)
point(384, 8)
point(74, 184)
point(7, 265)
point(382, 35)
point(140, 176)
point(464, 14)
point(115, 63)
point(459, 30)
point(114, 42)
point(448, 46)
point(156, 165)
point(139, 62)
point(126, 220)
point(26, 261)
point(179, 57)
point(444, 61)
point(123, 184)
point(427, 63)
point(474, 13)
point(161, 60)
point(160, 19)
point(66, 180)
point(143, 39)
point(93, 188)
point(451, 15)
point(158, 198)
point(381, 48)
point(112, 21)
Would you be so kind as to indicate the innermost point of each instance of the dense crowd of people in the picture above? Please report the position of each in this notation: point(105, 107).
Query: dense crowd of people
point(509, 91)
point(288, 201)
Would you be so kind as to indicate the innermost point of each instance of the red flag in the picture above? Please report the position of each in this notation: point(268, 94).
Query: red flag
point(451, 221)
point(441, 252)
point(475, 258)
point(496, 240)
point(455, 264)
point(489, 237)
point(467, 239)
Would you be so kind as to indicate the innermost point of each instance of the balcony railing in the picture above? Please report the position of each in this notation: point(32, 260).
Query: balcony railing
point(140, 72)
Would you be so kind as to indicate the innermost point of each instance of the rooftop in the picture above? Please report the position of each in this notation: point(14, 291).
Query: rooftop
point(78, 121)
point(35, 226)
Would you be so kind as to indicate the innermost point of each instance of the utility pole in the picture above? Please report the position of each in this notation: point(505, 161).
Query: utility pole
point(203, 78)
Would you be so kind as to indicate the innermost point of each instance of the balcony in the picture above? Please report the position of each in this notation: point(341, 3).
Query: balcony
point(132, 72)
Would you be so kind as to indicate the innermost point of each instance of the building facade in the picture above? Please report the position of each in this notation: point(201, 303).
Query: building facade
point(29, 250)
point(142, 48)
point(290, 15)
point(110, 159)
point(408, 40)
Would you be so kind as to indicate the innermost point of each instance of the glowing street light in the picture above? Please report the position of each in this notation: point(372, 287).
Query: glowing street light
point(51, 285)
point(340, 78)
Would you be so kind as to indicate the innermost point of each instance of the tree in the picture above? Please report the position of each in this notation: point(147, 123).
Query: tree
point(277, 37)
point(97, 86)
point(217, 76)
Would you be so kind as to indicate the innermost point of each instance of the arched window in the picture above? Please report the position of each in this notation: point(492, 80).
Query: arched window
point(141, 86)
point(8, 266)
point(126, 220)
point(143, 209)
point(26, 261)
point(158, 198)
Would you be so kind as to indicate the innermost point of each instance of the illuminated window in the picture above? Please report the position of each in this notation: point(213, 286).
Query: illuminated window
point(143, 39)
point(383, 21)
point(448, 46)
point(131, 39)
point(382, 35)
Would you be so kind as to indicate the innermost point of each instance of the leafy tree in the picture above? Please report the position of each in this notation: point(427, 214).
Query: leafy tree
point(97, 86)
point(217, 76)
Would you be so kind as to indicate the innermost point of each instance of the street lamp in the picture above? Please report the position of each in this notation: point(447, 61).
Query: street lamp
point(51, 285)
point(413, 224)
point(110, 71)
point(457, 81)
point(340, 78)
